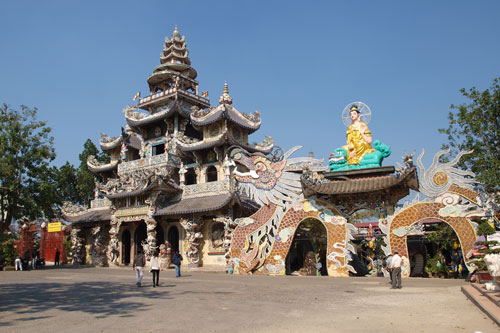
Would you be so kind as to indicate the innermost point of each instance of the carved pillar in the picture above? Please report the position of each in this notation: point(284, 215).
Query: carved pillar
point(76, 246)
point(193, 235)
point(229, 226)
point(98, 251)
point(151, 238)
point(113, 246)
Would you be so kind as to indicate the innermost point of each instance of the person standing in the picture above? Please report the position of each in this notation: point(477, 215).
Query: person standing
point(56, 259)
point(139, 262)
point(176, 260)
point(155, 268)
point(388, 266)
point(396, 271)
point(18, 263)
point(34, 259)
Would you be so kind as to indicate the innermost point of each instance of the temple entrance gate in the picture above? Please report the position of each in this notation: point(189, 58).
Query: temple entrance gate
point(450, 199)
point(126, 243)
point(307, 253)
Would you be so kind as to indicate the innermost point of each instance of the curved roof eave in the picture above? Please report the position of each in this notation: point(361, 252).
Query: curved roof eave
point(107, 146)
point(102, 168)
point(201, 144)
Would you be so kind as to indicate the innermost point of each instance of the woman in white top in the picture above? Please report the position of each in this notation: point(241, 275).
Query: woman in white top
point(155, 268)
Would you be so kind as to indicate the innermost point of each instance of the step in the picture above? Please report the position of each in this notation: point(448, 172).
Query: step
point(483, 302)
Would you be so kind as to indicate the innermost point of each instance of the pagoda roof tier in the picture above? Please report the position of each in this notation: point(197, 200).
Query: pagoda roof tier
point(251, 122)
point(89, 215)
point(138, 119)
point(264, 147)
point(108, 144)
point(168, 70)
point(196, 205)
point(175, 66)
point(127, 137)
point(96, 167)
point(226, 111)
point(361, 182)
point(170, 94)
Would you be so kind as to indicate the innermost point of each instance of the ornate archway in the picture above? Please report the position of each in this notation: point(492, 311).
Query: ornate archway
point(338, 237)
point(450, 199)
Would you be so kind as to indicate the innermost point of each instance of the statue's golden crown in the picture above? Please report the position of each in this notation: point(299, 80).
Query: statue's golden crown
point(354, 108)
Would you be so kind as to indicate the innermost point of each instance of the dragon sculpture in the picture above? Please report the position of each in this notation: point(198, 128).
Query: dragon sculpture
point(260, 243)
point(450, 198)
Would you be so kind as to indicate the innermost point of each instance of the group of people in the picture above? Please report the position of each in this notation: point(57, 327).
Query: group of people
point(155, 266)
point(36, 262)
point(393, 266)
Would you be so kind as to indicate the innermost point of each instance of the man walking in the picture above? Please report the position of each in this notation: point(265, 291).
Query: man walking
point(139, 263)
point(396, 270)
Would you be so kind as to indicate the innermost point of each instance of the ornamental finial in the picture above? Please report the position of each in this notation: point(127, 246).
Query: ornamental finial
point(225, 97)
point(176, 33)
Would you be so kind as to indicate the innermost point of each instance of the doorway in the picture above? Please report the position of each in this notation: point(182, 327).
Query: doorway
point(140, 235)
point(126, 238)
point(173, 238)
point(307, 254)
point(160, 236)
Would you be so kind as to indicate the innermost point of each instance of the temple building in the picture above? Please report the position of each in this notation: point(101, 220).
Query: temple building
point(168, 178)
point(183, 176)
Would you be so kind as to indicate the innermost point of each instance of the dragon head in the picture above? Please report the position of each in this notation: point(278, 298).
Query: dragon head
point(338, 159)
point(264, 178)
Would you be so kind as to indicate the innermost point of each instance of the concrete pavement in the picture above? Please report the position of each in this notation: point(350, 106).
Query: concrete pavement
point(107, 300)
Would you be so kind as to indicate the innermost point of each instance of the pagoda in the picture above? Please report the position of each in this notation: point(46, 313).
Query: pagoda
point(168, 184)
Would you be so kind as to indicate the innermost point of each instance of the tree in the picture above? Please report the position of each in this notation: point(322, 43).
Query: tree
point(85, 179)
point(476, 126)
point(26, 149)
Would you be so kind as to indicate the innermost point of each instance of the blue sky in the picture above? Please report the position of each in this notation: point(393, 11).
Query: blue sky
point(300, 64)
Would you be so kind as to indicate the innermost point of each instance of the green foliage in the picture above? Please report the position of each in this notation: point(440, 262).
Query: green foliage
point(444, 236)
point(431, 266)
point(26, 149)
point(485, 229)
point(7, 250)
point(85, 183)
point(476, 126)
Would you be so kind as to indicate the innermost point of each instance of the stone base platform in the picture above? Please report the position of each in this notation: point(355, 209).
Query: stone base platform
point(487, 301)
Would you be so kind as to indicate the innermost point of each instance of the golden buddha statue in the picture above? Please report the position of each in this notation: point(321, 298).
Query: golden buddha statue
point(359, 138)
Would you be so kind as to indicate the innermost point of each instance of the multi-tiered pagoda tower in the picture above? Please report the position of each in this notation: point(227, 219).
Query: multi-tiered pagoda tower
point(169, 175)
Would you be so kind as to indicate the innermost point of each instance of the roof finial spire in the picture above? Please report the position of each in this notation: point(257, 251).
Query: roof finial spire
point(176, 33)
point(225, 97)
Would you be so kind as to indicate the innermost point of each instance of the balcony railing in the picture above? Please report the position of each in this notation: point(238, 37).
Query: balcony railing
point(200, 190)
point(168, 93)
point(151, 161)
point(100, 203)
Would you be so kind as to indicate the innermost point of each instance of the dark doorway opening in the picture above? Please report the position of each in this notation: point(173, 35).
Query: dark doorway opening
point(160, 236)
point(126, 238)
point(211, 174)
point(173, 238)
point(190, 177)
point(140, 235)
point(307, 254)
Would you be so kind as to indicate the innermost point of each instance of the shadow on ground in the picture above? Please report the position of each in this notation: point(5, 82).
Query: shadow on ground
point(99, 298)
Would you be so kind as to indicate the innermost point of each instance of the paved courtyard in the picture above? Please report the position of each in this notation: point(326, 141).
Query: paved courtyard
point(107, 300)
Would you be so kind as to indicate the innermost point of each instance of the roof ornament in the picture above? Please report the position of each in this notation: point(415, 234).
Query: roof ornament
point(176, 34)
point(225, 98)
